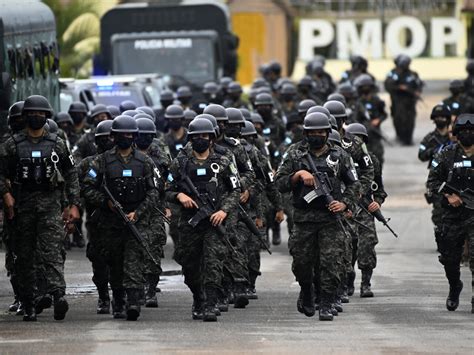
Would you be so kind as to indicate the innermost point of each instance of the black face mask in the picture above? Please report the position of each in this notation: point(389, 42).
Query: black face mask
point(35, 121)
point(266, 112)
point(316, 142)
point(123, 142)
point(251, 139)
point(17, 125)
point(104, 143)
point(200, 145)
point(77, 117)
point(66, 127)
point(440, 124)
point(466, 138)
point(143, 141)
point(455, 91)
point(365, 91)
point(304, 90)
point(185, 100)
point(287, 98)
point(232, 131)
point(174, 125)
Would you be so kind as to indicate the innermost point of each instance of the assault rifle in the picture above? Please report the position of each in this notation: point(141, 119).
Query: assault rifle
point(364, 205)
point(132, 228)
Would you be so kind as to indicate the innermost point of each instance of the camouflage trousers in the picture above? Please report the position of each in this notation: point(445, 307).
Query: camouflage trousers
point(38, 236)
point(322, 243)
point(174, 228)
point(156, 241)
point(100, 268)
point(236, 262)
point(124, 256)
point(366, 242)
point(200, 252)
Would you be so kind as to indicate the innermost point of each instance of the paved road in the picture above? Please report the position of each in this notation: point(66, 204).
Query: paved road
point(406, 316)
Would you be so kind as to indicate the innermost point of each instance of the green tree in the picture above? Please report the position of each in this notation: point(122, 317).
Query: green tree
point(78, 30)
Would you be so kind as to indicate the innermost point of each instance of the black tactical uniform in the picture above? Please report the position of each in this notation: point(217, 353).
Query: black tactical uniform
point(452, 174)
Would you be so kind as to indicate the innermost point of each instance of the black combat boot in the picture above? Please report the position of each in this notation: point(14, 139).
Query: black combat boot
point(209, 314)
point(133, 303)
point(151, 301)
point(21, 309)
point(365, 290)
point(338, 304)
point(325, 308)
point(240, 295)
point(43, 302)
point(198, 302)
point(222, 302)
point(452, 302)
point(305, 303)
point(350, 283)
point(251, 291)
point(276, 235)
point(103, 303)
point(60, 305)
point(118, 303)
point(29, 312)
point(344, 296)
point(14, 306)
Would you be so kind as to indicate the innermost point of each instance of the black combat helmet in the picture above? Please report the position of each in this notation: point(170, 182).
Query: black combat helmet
point(210, 88)
point(316, 120)
point(174, 112)
point(402, 61)
point(211, 119)
point(124, 124)
point(358, 129)
point(218, 111)
point(256, 118)
point(305, 105)
point(441, 110)
point(131, 113)
point(77, 107)
point(201, 126)
point(456, 85)
point(114, 110)
point(319, 109)
point(333, 122)
point(98, 109)
point(144, 115)
point(336, 108)
point(470, 67)
point(127, 105)
point(148, 110)
point(334, 137)
point(145, 126)
point(189, 115)
point(245, 113)
point(234, 88)
point(184, 94)
point(264, 99)
point(337, 97)
point(166, 97)
point(37, 103)
point(235, 116)
point(103, 128)
point(248, 129)
point(259, 82)
point(363, 80)
point(63, 117)
point(52, 126)
point(16, 120)
point(464, 121)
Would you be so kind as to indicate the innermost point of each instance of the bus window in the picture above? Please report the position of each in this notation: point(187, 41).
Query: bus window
point(39, 62)
point(29, 64)
point(13, 64)
point(20, 63)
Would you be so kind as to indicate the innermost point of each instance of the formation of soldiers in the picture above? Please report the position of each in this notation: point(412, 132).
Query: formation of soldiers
point(218, 174)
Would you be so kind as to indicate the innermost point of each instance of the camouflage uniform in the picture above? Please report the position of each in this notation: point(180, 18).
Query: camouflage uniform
point(376, 110)
point(38, 230)
point(124, 256)
point(85, 146)
point(201, 250)
point(174, 146)
point(364, 248)
point(316, 235)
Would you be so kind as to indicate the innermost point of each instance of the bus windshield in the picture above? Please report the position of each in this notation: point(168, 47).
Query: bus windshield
point(191, 58)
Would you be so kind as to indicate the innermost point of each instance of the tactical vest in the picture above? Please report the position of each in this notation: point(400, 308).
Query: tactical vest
point(204, 177)
point(35, 162)
point(329, 164)
point(461, 175)
point(126, 181)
